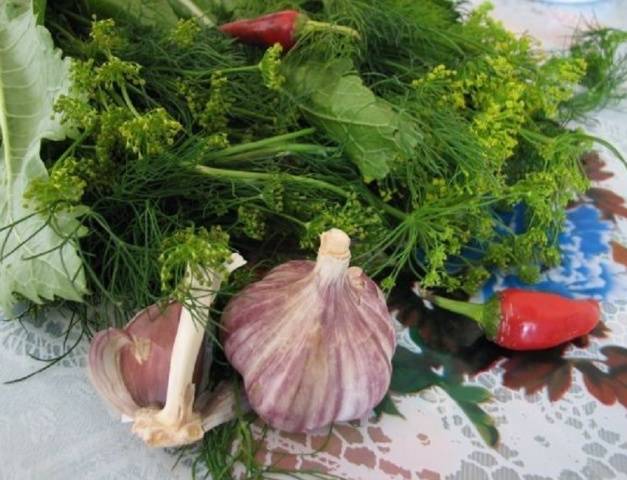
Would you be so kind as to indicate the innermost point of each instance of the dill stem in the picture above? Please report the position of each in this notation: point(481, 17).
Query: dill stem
point(143, 93)
point(74, 144)
point(127, 100)
point(66, 33)
point(531, 135)
point(76, 17)
point(376, 202)
point(607, 145)
point(248, 113)
point(266, 142)
point(245, 68)
point(286, 149)
point(248, 176)
point(292, 219)
point(545, 139)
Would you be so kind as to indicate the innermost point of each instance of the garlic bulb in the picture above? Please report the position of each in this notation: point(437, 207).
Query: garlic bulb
point(150, 370)
point(312, 340)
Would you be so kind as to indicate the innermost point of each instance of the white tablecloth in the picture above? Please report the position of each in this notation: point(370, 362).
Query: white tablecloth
point(54, 427)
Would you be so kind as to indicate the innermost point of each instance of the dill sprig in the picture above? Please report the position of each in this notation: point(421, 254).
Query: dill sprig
point(606, 70)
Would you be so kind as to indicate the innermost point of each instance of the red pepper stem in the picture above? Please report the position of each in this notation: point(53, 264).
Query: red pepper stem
point(312, 26)
point(485, 314)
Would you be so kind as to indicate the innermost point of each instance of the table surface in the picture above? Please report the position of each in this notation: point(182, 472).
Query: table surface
point(53, 426)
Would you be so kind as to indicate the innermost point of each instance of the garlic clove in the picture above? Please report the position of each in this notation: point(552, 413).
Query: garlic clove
point(105, 373)
point(146, 362)
point(135, 361)
point(177, 423)
point(151, 369)
point(312, 340)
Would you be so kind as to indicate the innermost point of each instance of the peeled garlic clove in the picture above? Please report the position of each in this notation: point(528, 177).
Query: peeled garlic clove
point(312, 340)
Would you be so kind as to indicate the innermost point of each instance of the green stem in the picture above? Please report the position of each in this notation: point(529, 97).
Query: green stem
point(530, 135)
point(378, 203)
point(74, 16)
point(197, 12)
point(247, 113)
point(103, 100)
point(246, 147)
point(143, 94)
point(485, 314)
point(246, 68)
point(292, 148)
point(607, 145)
point(128, 101)
point(74, 144)
point(292, 219)
point(544, 139)
point(314, 26)
point(71, 38)
point(247, 176)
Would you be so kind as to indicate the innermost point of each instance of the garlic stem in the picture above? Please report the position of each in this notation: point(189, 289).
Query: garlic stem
point(335, 243)
point(333, 256)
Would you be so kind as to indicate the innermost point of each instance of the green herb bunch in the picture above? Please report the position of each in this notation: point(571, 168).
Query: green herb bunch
point(417, 137)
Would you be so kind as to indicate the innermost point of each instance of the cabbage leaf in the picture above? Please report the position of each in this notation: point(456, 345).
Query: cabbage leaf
point(38, 253)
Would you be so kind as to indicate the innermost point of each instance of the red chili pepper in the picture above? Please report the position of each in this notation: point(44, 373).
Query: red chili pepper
point(284, 27)
point(526, 320)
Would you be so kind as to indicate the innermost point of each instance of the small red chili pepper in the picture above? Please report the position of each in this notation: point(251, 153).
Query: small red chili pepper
point(526, 320)
point(284, 27)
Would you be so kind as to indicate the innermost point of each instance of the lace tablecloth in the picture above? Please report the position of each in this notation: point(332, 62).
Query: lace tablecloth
point(55, 427)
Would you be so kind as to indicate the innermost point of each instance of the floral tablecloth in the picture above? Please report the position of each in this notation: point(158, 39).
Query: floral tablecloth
point(560, 414)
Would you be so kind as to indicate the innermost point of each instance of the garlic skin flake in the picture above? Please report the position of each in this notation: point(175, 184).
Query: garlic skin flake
point(312, 340)
point(150, 370)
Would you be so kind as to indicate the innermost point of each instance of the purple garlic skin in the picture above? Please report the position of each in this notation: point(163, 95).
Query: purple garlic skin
point(142, 352)
point(312, 340)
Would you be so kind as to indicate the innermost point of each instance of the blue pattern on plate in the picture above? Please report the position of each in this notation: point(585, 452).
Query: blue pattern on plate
point(587, 269)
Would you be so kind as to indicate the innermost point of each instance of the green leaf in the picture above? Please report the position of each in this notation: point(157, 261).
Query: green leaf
point(468, 393)
point(482, 422)
point(388, 406)
point(410, 373)
point(38, 259)
point(334, 98)
point(413, 372)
